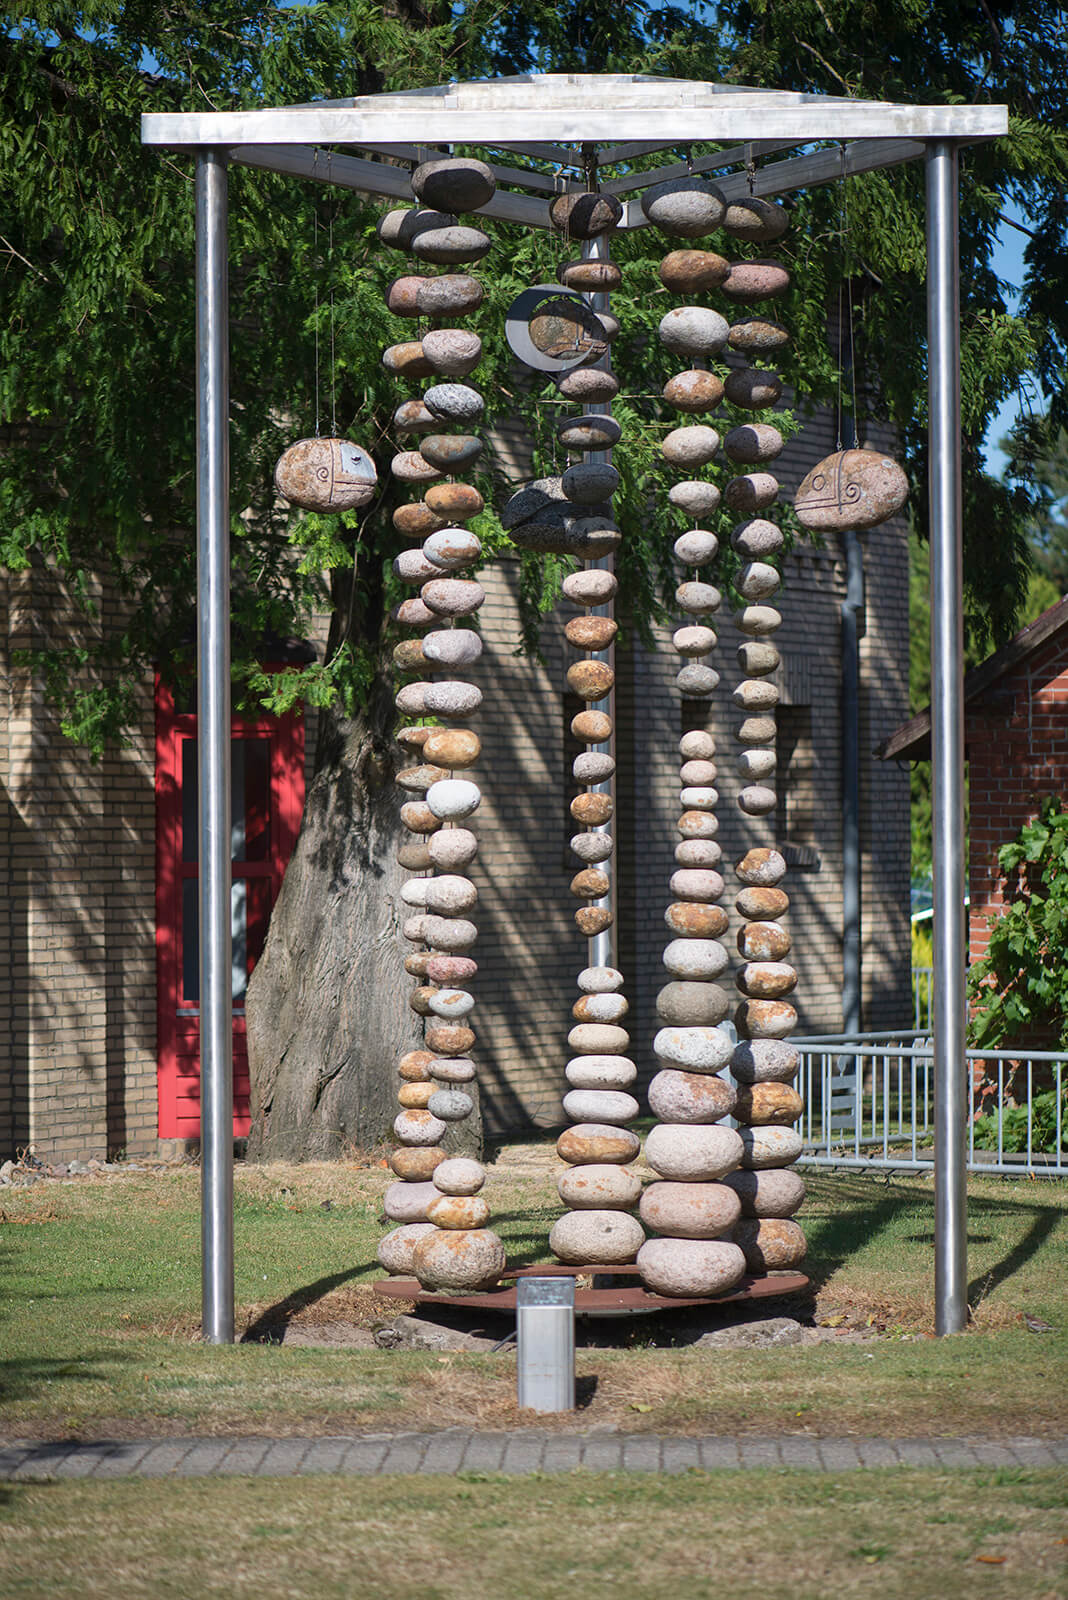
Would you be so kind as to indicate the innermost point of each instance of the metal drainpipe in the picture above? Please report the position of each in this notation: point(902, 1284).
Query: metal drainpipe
point(852, 614)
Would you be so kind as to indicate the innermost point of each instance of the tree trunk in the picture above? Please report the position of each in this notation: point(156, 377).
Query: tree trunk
point(327, 1008)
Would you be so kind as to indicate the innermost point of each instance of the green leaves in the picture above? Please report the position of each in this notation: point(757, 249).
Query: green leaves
point(1021, 983)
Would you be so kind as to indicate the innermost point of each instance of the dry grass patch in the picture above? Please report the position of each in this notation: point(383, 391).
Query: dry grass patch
point(901, 1535)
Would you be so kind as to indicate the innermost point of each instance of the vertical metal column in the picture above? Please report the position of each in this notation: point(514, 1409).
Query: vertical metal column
point(947, 736)
point(213, 751)
point(603, 947)
point(852, 610)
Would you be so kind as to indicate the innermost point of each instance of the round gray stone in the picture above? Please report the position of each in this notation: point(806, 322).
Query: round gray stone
point(396, 1250)
point(451, 548)
point(459, 1175)
point(590, 482)
point(696, 548)
point(695, 958)
point(451, 698)
point(592, 847)
point(453, 798)
point(769, 1147)
point(452, 647)
point(750, 492)
point(692, 1005)
point(773, 1192)
point(593, 431)
point(690, 1097)
point(753, 442)
point(599, 980)
point(693, 1152)
point(765, 1061)
point(690, 1210)
point(698, 598)
point(601, 1105)
point(407, 1202)
point(685, 1267)
point(454, 402)
point(756, 800)
point(451, 849)
point(592, 767)
point(454, 1004)
point(693, 640)
point(454, 352)
point(454, 183)
point(752, 388)
point(758, 580)
point(590, 588)
point(693, 1049)
point(696, 682)
point(693, 331)
point(450, 246)
point(757, 539)
point(611, 1237)
point(599, 1187)
point(696, 498)
point(685, 208)
point(448, 895)
point(451, 1105)
point(600, 1072)
point(758, 620)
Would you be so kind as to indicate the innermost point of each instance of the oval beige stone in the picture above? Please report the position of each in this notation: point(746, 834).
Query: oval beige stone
point(453, 352)
point(752, 388)
point(768, 1104)
point(757, 220)
point(694, 391)
point(753, 442)
point(590, 884)
point(758, 336)
point(752, 491)
point(698, 853)
point(591, 680)
point(600, 1072)
point(584, 215)
point(612, 1106)
point(692, 1005)
point(690, 1097)
point(769, 1147)
point(690, 919)
point(598, 1038)
point(593, 726)
point(599, 1186)
point(762, 867)
point(593, 1236)
point(591, 809)
point(765, 1061)
point(590, 633)
point(396, 1250)
point(689, 270)
point(766, 980)
point(763, 941)
point(590, 588)
point(459, 1259)
point(418, 1127)
point(851, 489)
point(596, 1142)
point(697, 825)
point(756, 280)
point(689, 1210)
point(690, 1267)
point(458, 1211)
point(416, 519)
point(407, 360)
point(459, 1175)
point(592, 920)
point(770, 1244)
point(590, 385)
point(418, 817)
point(415, 1164)
point(778, 1192)
point(762, 904)
point(595, 275)
point(765, 1019)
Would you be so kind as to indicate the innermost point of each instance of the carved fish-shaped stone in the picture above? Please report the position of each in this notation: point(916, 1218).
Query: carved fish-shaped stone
point(851, 489)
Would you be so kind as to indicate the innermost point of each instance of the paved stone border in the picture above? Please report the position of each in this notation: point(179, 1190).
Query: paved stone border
point(457, 1451)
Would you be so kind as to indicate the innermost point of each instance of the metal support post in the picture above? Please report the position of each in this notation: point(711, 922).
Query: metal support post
point(213, 751)
point(947, 736)
point(852, 612)
point(545, 1344)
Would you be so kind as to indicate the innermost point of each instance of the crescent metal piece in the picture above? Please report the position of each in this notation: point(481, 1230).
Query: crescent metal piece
point(524, 309)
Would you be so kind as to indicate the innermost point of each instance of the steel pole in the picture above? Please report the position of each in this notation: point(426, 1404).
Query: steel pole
point(947, 737)
point(604, 946)
point(213, 752)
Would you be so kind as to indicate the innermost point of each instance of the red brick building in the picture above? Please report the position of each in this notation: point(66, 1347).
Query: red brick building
point(1016, 747)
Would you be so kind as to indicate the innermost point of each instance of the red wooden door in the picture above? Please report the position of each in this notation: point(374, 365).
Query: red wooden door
point(267, 797)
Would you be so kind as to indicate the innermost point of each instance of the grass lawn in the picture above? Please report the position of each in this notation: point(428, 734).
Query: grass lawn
point(900, 1535)
point(99, 1286)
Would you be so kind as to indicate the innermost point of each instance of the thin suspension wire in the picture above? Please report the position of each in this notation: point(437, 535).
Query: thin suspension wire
point(315, 254)
point(333, 359)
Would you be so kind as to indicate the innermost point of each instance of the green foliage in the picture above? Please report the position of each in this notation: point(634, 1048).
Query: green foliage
point(1042, 1115)
point(1020, 984)
point(96, 330)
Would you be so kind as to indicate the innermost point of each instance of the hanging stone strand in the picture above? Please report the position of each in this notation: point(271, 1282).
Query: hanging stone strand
point(443, 1237)
point(689, 1207)
point(763, 1063)
point(600, 1190)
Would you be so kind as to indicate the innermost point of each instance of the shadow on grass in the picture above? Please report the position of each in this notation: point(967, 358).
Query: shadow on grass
point(269, 1325)
point(838, 1236)
point(25, 1377)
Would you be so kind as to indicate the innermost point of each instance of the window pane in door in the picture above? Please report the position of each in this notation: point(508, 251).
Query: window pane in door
point(250, 799)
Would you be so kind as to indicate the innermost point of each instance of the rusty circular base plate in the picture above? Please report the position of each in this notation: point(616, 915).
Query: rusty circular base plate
point(626, 1300)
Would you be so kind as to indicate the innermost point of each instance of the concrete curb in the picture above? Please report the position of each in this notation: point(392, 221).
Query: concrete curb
point(457, 1451)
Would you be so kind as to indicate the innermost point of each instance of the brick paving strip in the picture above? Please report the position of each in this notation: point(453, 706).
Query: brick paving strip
point(456, 1451)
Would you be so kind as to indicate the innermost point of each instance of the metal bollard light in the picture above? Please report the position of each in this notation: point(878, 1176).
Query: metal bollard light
point(545, 1339)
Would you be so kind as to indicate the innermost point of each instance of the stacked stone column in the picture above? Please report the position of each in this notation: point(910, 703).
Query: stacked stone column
point(598, 1187)
point(443, 1235)
point(763, 1064)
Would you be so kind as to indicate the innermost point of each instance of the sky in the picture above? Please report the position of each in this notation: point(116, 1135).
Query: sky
point(1008, 264)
